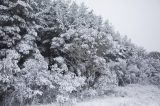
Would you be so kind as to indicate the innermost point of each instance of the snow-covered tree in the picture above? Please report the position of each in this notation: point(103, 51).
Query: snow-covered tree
point(66, 82)
point(83, 51)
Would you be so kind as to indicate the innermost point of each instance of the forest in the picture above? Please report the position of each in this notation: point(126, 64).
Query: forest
point(59, 51)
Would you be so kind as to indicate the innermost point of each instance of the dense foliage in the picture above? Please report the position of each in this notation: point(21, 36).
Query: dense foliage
point(58, 51)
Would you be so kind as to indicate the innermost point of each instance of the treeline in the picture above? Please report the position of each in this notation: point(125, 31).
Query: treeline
point(60, 51)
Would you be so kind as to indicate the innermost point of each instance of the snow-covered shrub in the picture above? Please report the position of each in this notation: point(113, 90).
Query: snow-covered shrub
point(8, 70)
point(66, 81)
point(105, 79)
point(67, 85)
point(154, 71)
point(23, 85)
point(62, 98)
point(119, 68)
point(36, 74)
point(88, 93)
point(105, 84)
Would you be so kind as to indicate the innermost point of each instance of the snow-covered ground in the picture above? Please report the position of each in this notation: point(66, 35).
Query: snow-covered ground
point(132, 95)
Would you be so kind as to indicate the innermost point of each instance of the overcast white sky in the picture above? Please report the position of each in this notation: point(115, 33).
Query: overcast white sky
point(138, 19)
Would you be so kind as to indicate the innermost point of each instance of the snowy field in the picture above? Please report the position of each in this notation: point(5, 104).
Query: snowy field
point(132, 95)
